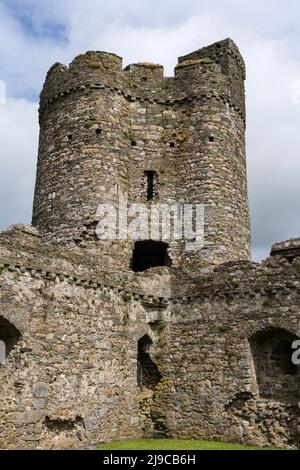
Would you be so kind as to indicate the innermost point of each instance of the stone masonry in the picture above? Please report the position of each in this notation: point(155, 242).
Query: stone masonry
point(109, 340)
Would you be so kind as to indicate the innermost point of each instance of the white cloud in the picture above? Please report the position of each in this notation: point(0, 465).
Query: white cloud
point(273, 143)
point(18, 140)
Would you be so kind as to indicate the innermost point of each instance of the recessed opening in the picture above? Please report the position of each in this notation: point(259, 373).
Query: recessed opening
point(98, 131)
point(58, 425)
point(277, 376)
point(148, 375)
point(70, 136)
point(9, 336)
point(172, 145)
point(133, 143)
point(151, 184)
point(211, 138)
point(149, 254)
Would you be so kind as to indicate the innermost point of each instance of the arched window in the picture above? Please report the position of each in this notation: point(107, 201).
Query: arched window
point(149, 254)
point(9, 336)
point(277, 376)
point(148, 375)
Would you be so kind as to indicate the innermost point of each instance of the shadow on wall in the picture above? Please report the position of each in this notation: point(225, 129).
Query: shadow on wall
point(148, 374)
point(9, 336)
point(277, 376)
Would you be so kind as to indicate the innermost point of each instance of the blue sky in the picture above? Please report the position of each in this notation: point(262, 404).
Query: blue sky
point(35, 34)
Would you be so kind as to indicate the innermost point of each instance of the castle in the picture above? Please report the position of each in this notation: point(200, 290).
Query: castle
point(110, 339)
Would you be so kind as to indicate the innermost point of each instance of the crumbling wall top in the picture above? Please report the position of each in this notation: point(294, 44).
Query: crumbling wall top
point(288, 248)
point(218, 68)
point(219, 53)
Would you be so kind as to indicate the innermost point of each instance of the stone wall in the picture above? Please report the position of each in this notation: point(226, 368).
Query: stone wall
point(224, 387)
point(94, 360)
point(70, 380)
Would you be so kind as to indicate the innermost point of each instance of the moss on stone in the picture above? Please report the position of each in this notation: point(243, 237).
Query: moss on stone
point(159, 356)
point(89, 123)
point(126, 297)
point(224, 328)
point(194, 62)
point(94, 65)
point(268, 302)
point(161, 326)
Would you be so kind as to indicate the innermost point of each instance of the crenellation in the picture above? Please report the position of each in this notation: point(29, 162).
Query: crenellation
point(226, 54)
point(118, 339)
point(98, 60)
point(145, 78)
point(221, 52)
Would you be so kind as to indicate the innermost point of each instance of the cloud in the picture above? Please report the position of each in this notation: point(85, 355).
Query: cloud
point(18, 137)
point(35, 34)
point(273, 143)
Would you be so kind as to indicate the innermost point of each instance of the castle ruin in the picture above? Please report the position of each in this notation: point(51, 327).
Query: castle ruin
point(118, 339)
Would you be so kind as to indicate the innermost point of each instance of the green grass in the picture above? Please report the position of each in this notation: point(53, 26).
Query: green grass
point(173, 444)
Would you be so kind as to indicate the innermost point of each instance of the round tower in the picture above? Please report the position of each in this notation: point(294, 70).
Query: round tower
point(212, 157)
point(83, 150)
point(107, 133)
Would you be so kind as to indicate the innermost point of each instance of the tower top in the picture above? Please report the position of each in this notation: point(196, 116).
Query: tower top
point(219, 52)
point(205, 71)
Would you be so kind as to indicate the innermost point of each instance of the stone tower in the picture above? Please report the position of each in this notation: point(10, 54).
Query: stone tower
point(94, 345)
point(108, 131)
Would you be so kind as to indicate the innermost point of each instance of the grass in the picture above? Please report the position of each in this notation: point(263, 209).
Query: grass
point(173, 444)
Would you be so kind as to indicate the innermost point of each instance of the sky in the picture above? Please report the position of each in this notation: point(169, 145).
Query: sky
point(34, 34)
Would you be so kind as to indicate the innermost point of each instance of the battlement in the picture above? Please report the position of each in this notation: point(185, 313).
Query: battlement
point(217, 69)
point(145, 67)
point(232, 66)
point(287, 249)
point(201, 74)
point(222, 53)
point(97, 60)
point(57, 70)
point(93, 67)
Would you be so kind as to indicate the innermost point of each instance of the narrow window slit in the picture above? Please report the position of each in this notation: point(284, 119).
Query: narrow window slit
point(150, 175)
